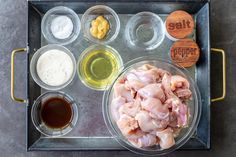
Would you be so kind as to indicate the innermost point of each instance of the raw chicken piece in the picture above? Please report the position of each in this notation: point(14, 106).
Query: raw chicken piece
point(115, 105)
point(156, 108)
point(120, 90)
point(146, 67)
point(130, 108)
point(166, 138)
point(152, 90)
point(179, 112)
point(173, 117)
point(146, 123)
point(176, 131)
point(173, 104)
point(160, 72)
point(144, 75)
point(183, 93)
point(135, 134)
point(178, 81)
point(141, 139)
point(183, 115)
point(166, 83)
point(144, 141)
point(133, 82)
point(127, 124)
point(147, 76)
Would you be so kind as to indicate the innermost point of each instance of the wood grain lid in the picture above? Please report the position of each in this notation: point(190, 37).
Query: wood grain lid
point(179, 24)
point(185, 52)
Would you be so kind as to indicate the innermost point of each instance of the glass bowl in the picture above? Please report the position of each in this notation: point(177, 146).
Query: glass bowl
point(89, 59)
point(194, 107)
point(109, 14)
point(145, 31)
point(33, 66)
point(54, 13)
point(41, 126)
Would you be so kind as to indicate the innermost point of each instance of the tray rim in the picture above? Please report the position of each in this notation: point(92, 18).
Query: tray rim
point(31, 148)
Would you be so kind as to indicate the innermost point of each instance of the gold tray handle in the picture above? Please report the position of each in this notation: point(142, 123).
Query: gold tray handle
point(13, 75)
point(224, 73)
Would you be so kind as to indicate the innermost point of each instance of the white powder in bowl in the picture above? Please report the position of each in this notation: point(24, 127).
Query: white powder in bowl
point(61, 27)
point(55, 67)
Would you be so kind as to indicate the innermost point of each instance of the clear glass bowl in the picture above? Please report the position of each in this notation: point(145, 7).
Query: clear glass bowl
point(145, 31)
point(40, 125)
point(52, 14)
point(33, 66)
point(104, 83)
point(109, 14)
point(194, 107)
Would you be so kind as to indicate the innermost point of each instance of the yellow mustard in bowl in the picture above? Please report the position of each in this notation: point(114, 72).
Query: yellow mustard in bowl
point(99, 27)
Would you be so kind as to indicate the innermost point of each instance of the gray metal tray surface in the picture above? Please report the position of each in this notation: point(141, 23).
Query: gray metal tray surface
point(90, 132)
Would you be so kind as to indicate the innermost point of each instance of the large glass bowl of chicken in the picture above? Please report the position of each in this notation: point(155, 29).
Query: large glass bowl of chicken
point(153, 107)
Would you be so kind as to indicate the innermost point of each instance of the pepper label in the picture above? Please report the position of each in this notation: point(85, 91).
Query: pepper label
point(185, 52)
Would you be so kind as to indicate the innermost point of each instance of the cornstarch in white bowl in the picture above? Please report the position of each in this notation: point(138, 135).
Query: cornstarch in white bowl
point(54, 67)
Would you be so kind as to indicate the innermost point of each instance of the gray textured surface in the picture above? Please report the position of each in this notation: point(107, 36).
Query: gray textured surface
point(12, 115)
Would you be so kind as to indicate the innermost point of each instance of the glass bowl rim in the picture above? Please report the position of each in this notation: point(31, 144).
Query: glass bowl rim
point(42, 50)
point(112, 12)
point(132, 19)
point(86, 52)
point(77, 21)
point(62, 94)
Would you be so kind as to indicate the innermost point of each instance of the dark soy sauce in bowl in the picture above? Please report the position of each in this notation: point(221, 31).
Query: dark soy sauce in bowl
point(56, 113)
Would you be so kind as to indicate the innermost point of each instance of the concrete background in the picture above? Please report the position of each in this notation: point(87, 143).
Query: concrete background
point(12, 115)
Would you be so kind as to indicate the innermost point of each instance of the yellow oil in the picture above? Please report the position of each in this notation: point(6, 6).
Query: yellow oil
point(98, 68)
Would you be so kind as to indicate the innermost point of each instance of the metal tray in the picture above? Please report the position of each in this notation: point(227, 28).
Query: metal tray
point(90, 132)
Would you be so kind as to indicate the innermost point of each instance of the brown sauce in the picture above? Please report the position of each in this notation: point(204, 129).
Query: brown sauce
point(56, 113)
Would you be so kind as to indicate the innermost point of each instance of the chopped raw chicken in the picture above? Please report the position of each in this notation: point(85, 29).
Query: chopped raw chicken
point(156, 108)
point(144, 141)
point(166, 138)
point(146, 122)
point(173, 119)
point(130, 108)
point(146, 67)
point(159, 71)
point(127, 124)
point(120, 90)
point(152, 90)
point(183, 93)
point(178, 81)
point(133, 82)
point(167, 86)
point(173, 103)
point(148, 76)
point(183, 115)
point(179, 112)
point(135, 134)
point(149, 106)
point(115, 105)
point(176, 131)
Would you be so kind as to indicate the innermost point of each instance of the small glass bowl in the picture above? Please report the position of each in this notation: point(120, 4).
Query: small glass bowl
point(145, 31)
point(33, 66)
point(52, 14)
point(109, 14)
point(103, 84)
point(41, 126)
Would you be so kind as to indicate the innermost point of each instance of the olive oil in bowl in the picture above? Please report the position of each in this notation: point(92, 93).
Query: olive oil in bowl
point(98, 65)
